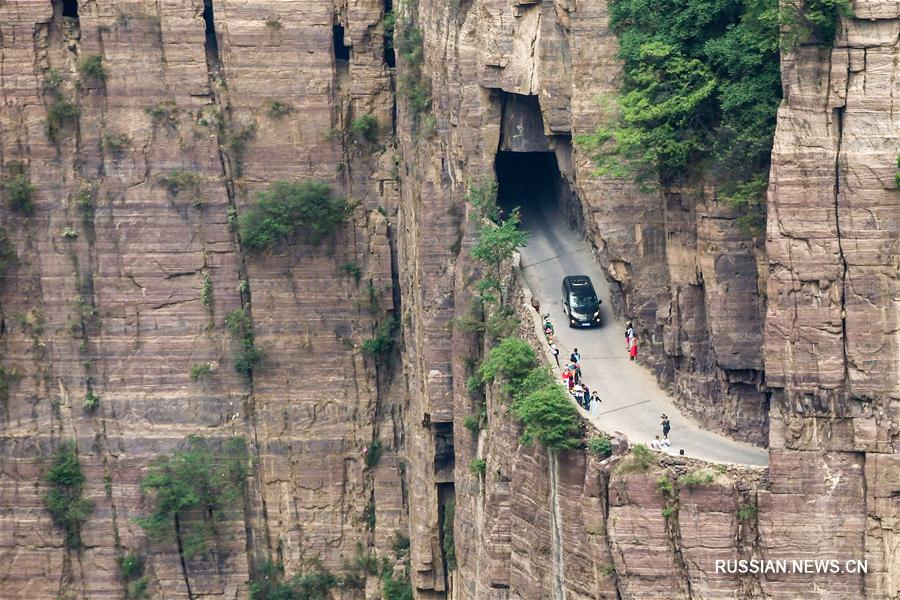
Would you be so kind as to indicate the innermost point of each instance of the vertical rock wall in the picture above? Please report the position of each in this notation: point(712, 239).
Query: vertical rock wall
point(117, 309)
point(832, 348)
point(698, 289)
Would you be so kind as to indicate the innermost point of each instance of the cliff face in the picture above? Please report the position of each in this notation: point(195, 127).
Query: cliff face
point(243, 93)
point(117, 310)
point(831, 343)
point(699, 289)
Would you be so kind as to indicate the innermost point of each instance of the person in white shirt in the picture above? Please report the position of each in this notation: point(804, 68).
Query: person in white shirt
point(655, 445)
point(665, 444)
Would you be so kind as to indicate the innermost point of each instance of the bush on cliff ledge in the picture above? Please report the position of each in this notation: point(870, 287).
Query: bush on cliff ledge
point(64, 501)
point(538, 400)
point(191, 488)
point(288, 207)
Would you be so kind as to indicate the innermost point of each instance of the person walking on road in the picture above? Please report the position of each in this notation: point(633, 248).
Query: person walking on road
point(632, 351)
point(595, 398)
point(555, 351)
point(585, 399)
point(666, 426)
point(575, 357)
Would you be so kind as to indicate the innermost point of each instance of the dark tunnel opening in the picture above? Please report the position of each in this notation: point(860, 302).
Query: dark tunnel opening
point(212, 41)
point(341, 51)
point(528, 180)
point(390, 58)
point(70, 8)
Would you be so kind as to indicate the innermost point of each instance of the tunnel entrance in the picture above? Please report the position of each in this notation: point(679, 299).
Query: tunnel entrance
point(527, 180)
point(534, 169)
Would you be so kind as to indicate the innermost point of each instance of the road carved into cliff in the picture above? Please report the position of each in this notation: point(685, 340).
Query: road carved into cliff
point(632, 400)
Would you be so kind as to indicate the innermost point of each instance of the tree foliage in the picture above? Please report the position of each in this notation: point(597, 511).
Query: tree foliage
point(701, 89)
point(191, 488)
point(513, 359)
point(64, 501)
point(497, 243)
point(538, 400)
point(549, 417)
point(286, 208)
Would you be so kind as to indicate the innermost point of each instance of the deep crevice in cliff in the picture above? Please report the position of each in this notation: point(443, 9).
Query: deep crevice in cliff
point(838, 117)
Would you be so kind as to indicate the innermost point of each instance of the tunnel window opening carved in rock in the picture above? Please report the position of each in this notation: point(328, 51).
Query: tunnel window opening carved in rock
point(212, 41)
point(70, 8)
point(390, 58)
point(341, 50)
point(446, 493)
point(444, 455)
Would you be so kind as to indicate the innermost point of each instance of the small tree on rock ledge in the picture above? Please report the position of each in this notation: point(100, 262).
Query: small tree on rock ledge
point(288, 207)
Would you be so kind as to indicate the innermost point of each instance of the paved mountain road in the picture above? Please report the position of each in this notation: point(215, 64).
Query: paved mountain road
point(632, 400)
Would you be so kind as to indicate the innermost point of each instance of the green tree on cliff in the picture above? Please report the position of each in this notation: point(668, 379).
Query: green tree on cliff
point(701, 89)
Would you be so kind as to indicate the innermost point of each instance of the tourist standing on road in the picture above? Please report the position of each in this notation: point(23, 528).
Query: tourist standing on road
point(666, 426)
point(555, 351)
point(595, 398)
point(629, 333)
point(576, 357)
point(585, 399)
point(632, 351)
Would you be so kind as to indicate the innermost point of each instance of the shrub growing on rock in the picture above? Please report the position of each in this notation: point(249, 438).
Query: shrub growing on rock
point(364, 129)
point(549, 417)
point(269, 584)
point(61, 114)
point(204, 476)
point(513, 359)
point(641, 460)
point(18, 193)
point(538, 400)
point(286, 208)
point(383, 340)
point(241, 327)
point(64, 501)
point(600, 446)
point(92, 69)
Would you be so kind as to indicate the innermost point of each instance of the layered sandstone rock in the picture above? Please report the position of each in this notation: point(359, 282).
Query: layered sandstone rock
point(117, 310)
point(831, 347)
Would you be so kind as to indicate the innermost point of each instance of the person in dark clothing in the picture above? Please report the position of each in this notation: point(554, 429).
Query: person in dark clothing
point(555, 351)
point(666, 426)
point(586, 398)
